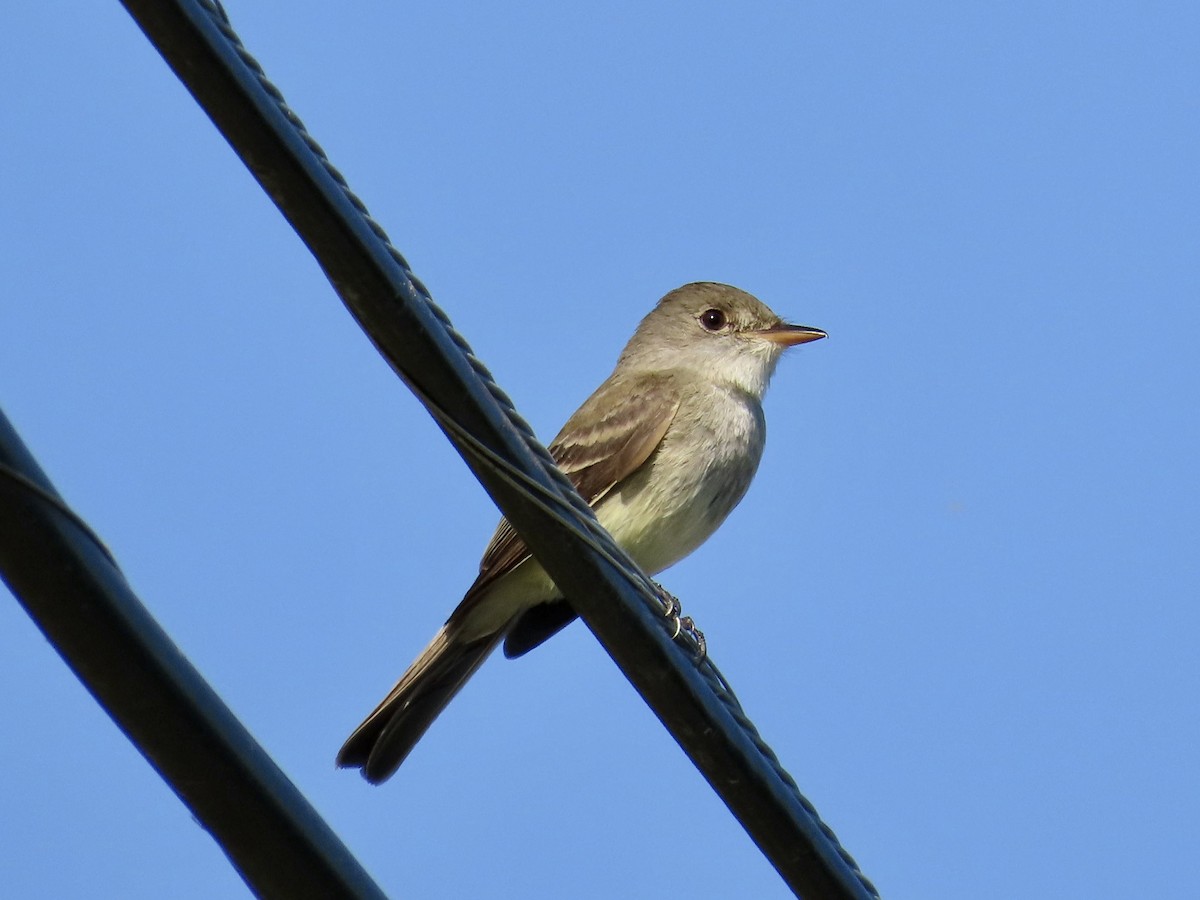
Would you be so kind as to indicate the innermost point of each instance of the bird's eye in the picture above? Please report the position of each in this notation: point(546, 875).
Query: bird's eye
point(712, 319)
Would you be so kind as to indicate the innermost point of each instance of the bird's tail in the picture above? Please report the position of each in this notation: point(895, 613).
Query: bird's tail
point(380, 744)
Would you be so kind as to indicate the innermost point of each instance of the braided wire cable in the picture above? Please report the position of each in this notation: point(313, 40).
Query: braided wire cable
point(565, 505)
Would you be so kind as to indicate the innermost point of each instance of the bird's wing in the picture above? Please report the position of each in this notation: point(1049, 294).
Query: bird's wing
point(616, 430)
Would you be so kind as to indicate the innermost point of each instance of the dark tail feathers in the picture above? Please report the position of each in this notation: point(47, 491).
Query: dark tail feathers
point(380, 744)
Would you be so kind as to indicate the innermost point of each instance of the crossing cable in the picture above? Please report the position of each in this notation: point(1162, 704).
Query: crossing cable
point(72, 588)
point(615, 600)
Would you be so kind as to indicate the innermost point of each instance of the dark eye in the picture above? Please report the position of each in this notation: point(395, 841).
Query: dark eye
point(712, 319)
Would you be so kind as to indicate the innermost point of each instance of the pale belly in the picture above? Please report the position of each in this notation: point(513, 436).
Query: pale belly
point(681, 496)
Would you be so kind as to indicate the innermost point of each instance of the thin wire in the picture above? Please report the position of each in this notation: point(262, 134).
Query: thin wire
point(519, 479)
point(52, 499)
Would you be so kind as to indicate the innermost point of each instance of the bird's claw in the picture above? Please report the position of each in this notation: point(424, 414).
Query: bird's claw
point(673, 606)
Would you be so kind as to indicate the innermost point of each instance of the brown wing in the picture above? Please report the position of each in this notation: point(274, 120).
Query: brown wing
point(609, 437)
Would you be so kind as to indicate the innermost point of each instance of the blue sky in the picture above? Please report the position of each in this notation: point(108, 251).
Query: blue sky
point(960, 600)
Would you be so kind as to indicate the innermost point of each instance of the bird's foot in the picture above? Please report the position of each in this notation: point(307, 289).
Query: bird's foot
point(697, 636)
point(681, 624)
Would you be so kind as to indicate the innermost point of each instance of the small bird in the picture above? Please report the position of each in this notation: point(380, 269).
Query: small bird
point(662, 451)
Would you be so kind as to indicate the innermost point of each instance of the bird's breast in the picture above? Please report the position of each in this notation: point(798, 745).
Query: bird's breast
point(695, 478)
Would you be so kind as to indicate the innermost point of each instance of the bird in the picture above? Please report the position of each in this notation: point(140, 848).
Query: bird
point(662, 451)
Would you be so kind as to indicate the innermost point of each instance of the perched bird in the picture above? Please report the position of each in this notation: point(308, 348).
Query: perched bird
point(662, 451)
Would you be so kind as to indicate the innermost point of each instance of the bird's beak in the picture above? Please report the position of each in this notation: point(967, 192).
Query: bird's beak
point(790, 335)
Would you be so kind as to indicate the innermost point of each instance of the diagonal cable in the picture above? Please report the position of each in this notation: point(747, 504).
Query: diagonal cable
point(73, 590)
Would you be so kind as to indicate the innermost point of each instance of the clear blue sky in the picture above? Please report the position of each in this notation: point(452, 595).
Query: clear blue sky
point(960, 599)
